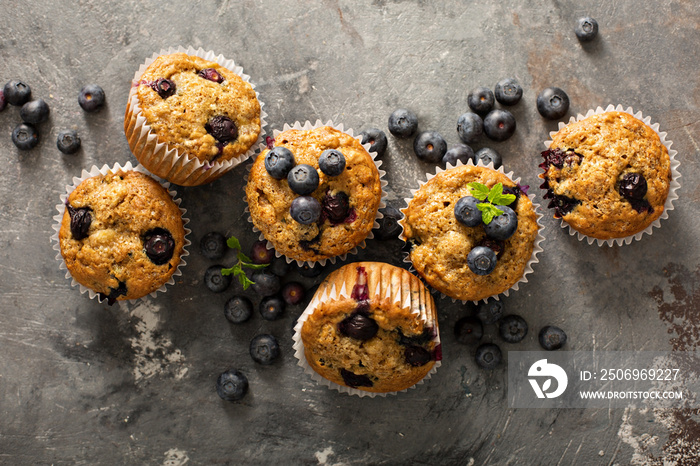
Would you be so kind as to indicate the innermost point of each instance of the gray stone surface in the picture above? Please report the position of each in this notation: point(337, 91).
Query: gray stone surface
point(84, 383)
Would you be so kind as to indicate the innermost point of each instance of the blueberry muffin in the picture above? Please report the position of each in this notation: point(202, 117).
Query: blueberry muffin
point(121, 235)
point(370, 326)
point(607, 176)
point(469, 261)
point(315, 194)
point(199, 111)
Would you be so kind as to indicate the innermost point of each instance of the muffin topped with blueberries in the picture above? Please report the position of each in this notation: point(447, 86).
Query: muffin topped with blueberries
point(121, 235)
point(471, 232)
point(315, 194)
point(607, 176)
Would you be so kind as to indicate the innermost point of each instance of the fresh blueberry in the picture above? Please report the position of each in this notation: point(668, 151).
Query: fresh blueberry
point(271, 307)
point(467, 212)
point(552, 103)
point(376, 139)
point(213, 245)
point(232, 385)
point(480, 100)
point(68, 141)
point(633, 186)
point(259, 253)
point(303, 179)
point(552, 338)
point(468, 330)
point(481, 260)
point(17, 92)
point(469, 127)
point(293, 293)
point(502, 226)
point(488, 155)
point(222, 128)
point(164, 87)
point(490, 311)
point(80, 221)
point(499, 125)
point(25, 136)
point(488, 356)
point(238, 309)
point(512, 328)
point(403, 123)
point(309, 271)
point(279, 266)
point(3, 101)
point(266, 284)
point(508, 91)
point(429, 146)
point(355, 380)
point(336, 208)
point(34, 112)
point(159, 245)
point(305, 210)
point(264, 349)
point(278, 162)
point(586, 29)
point(416, 356)
point(331, 162)
point(389, 227)
point(459, 153)
point(211, 74)
point(215, 281)
point(91, 98)
point(358, 326)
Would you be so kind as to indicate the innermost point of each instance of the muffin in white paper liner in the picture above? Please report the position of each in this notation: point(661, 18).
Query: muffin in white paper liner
point(165, 161)
point(397, 287)
point(382, 203)
point(58, 218)
point(674, 185)
point(537, 248)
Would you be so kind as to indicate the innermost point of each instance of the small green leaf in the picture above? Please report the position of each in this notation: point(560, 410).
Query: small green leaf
point(254, 266)
point(488, 211)
point(504, 199)
point(496, 191)
point(233, 243)
point(478, 190)
point(229, 271)
point(245, 281)
point(243, 258)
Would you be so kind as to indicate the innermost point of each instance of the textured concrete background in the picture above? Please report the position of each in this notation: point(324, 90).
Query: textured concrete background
point(84, 383)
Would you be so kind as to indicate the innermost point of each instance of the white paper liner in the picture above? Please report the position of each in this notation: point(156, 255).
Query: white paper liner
point(58, 218)
point(322, 296)
point(538, 239)
point(382, 203)
point(166, 162)
point(673, 186)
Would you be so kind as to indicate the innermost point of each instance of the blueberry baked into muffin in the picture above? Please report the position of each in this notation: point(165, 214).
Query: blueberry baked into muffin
point(315, 194)
point(371, 326)
point(607, 176)
point(121, 235)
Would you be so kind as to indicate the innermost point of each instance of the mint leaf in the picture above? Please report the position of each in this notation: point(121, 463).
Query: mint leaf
point(504, 199)
point(233, 243)
point(230, 270)
point(254, 266)
point(245, 281)
point(496, 190)
point(488, 211)
point(478, 190)
point(243, 258)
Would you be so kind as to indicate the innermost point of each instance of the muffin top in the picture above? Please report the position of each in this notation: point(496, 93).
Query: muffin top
point(349, 201)
point(199, 107)
point(607, 175)
point(121, 235)
point(440, 244)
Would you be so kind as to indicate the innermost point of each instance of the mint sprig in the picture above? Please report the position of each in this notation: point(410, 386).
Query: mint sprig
point(243, 261)
point(492, 198)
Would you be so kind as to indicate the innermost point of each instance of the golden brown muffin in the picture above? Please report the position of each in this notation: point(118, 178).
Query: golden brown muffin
point(121, 235)
point(371, 326)
point(269, 199)
point(607, 175)
point(441, 244)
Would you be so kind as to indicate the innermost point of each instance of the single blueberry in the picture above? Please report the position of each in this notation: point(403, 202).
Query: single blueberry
point(211, 74)
point(259, 253)
point(480, 100)
point(469, 127)
point(34, 112)
point(552, 338)
point(358, 326)
point(429, 146)
point(159, 245)
point(213, 245)
point(488, 356)
point(91, 98)
point(512, 328)
point(222, 128)
point(25, 136)
point(303, 179)
point(481, 260)
point(355, 380)
point(164, 87)
point(499, 125)
point(488, 155)
point(416, 356)
point(271, 307)
point(490, 311)
point(586, 29)
point(403, 123)
point(68, 141)
point(305, 210)
point(238, 309)
point(215, 281)
point(633, 186)
point(502, 226)
point(80, 221)
point(278, 161)
point(331, 162)
point(468, 330)
point(376, 139)
point(266, 284)
point(467, 212)
point(17, 92)
point(459, 153)
point(336, 207)
point(293, 293)
point(552, 103)
point(264, 349)
point(389, 227)
point(232, 385)
point(279, 266)
point(508, 91)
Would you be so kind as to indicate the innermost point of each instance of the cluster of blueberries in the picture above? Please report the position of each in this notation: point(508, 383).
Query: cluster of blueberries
point(35, 111)
point(512, 328)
